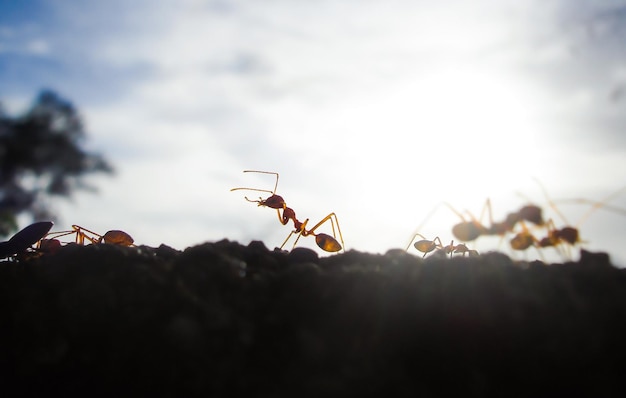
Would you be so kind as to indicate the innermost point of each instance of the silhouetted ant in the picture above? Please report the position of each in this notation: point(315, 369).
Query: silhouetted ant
point(324, 241)
point(51, 243)
point(467, 231)
point(556, 237)
point(426, 246)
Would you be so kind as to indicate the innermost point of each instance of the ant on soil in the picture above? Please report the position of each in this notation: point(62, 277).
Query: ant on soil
point(426, 246)
point(51, 243)
point(324, 241)
point(19, 246)
point(467, 231)
point(556, 237)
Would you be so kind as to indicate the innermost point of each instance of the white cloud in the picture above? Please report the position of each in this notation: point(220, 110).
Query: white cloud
point(375, 112)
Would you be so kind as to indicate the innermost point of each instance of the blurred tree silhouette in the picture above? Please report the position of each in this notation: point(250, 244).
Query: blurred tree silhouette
point(40, 157)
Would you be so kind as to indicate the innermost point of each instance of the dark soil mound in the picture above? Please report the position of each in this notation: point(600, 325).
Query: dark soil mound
point(222, 319)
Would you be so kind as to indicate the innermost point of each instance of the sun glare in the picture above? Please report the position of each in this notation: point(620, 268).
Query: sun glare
point(462, 129)
point(480, 122)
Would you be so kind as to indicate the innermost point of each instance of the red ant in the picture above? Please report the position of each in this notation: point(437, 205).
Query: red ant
point(470, 230)
point(567, 235)
point(467, 231)
point(525, 239)
point(324, 241)
point(50, 242)
point(426, 246)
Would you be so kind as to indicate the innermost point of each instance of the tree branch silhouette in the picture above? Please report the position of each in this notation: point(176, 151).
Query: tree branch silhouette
point(41, 156)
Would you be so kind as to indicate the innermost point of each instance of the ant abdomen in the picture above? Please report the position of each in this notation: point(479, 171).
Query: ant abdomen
point(522, 241)
point(327, 243)
point(467, 231)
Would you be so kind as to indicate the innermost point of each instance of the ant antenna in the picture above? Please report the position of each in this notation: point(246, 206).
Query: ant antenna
point(424, 221)
point(600, 204)
point(595, 205)
point(257, 189)
point(550, 202)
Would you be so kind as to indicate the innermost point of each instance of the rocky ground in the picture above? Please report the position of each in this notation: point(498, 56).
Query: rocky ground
point(223, 319)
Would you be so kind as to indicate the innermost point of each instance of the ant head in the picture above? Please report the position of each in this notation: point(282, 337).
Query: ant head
point(274, 202)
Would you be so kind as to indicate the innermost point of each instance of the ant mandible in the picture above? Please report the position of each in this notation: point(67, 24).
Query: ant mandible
point(324, 241)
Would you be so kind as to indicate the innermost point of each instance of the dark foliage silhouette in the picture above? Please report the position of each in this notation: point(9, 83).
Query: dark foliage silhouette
point(41, 156)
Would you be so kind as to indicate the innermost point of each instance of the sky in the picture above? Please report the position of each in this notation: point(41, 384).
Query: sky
point(378, 111)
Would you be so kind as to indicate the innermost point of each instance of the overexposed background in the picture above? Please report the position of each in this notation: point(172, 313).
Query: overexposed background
point(374, 110)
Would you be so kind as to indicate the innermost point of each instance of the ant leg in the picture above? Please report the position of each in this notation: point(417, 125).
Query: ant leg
point(424, 221)
point(595, 205)
point(603, 203)
point(486, 206)
point(287, 239)
point(299, 231)
point(324, 241)
point(81, 236)
point(58, 234)
point(479, 221)
point(550, 202)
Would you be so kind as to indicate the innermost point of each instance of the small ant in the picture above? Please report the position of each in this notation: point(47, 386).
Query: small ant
point(426, 246)
point(20, 244)
point(467, 231)
point(324, 241)
point(50, 242)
